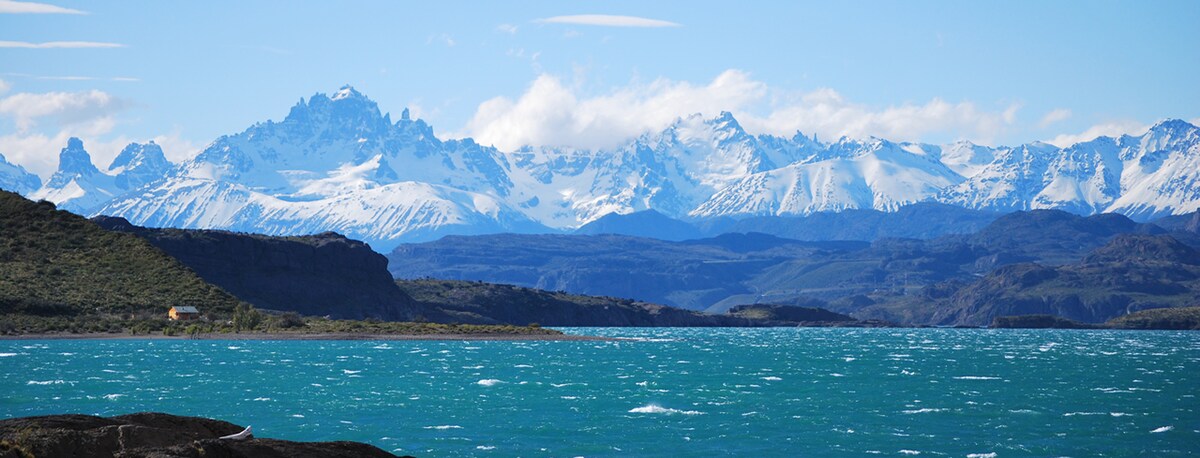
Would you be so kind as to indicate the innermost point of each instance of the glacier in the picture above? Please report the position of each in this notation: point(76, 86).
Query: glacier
point(339, 163)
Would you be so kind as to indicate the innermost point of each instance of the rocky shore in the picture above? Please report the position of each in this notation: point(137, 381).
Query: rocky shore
point(154, 435)
point(301, 336)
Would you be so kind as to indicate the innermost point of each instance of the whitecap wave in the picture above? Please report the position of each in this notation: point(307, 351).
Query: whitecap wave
point(1162, 429)
point(923, 410)
point(488, 382)
point(982, 455)
point(442, 427)
point(909, 452)
point(976, 377)
point(657, 409)
point(113, 397)
point(45, 382)
point(772, 378)
point(6, 355)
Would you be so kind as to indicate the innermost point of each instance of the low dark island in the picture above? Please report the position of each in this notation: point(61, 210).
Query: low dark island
point(157, 435)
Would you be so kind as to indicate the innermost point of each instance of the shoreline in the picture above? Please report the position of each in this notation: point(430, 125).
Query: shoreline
point(319, 336)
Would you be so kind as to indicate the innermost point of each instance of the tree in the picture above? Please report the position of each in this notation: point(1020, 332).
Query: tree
point(246, 317)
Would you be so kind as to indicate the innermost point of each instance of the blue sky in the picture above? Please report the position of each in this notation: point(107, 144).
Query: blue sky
point(511, 73)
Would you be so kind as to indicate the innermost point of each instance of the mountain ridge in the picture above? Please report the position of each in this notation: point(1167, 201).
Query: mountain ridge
point(336, 162)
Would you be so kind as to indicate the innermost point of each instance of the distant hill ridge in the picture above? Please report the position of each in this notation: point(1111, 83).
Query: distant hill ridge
point(1043, 261)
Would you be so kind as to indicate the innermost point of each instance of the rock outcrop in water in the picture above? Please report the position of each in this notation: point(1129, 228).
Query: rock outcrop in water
point(157, 435)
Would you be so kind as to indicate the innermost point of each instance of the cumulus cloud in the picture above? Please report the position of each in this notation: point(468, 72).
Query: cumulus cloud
point(59, 44)
point(551, 113)
point(14, 7)
point(1106, 129)
point(38, 152)
point(828, 114)
point(1055, 115)
point(607, 20)
point(44, 121)
point(25, 109)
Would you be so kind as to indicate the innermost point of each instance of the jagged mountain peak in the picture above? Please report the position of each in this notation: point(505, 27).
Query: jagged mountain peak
point(139, 164)
point(73, 161)
point(138, 153)
point(348, 92)
point(77, 185)
point(347, 105)
point(1172, 124)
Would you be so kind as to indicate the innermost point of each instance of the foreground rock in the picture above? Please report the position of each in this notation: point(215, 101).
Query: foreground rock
point(155, 435)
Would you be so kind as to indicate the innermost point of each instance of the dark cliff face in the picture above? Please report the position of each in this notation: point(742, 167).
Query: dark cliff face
point(153, 435)
point(323, 274)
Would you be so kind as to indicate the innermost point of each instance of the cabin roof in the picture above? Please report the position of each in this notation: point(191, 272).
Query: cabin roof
point(185, 309)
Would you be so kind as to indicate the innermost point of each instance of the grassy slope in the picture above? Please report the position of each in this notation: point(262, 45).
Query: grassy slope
point(54, 262)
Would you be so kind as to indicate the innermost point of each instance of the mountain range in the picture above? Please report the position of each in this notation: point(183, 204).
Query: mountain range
point(1088, 269)
point(337, 163)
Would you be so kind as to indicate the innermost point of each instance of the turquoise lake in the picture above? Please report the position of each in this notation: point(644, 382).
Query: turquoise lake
point(672, 392)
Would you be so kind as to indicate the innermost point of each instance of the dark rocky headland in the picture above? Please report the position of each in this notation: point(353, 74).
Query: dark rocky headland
point(156, 435)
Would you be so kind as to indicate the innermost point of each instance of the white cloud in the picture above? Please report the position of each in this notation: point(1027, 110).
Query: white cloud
point(14, 7)
point(59, 44)
point(1107, 129)
point(551, 113)
point(828, 114)
point(607, 20)
point(38, 152)
point(46, 120)
point(176, 148)
point(507, 28)
point(1055, 115)
point(66, 108)
point(4, 87)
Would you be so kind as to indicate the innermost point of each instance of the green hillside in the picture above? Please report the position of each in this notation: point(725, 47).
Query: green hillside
point(57, 264)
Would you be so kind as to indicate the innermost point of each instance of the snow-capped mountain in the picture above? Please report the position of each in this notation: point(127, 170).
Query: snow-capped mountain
point(80, 187)
point(16, 179)
point(1147, 176)
point(335, 163)
point(138, 164)
point(877, 175)
point(77, 185)
point(338, 163)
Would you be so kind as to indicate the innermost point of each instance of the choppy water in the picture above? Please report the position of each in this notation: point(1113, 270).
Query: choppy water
point(677, 392)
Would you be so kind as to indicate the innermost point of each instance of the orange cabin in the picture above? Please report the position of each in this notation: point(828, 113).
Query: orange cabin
point(183, 313)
